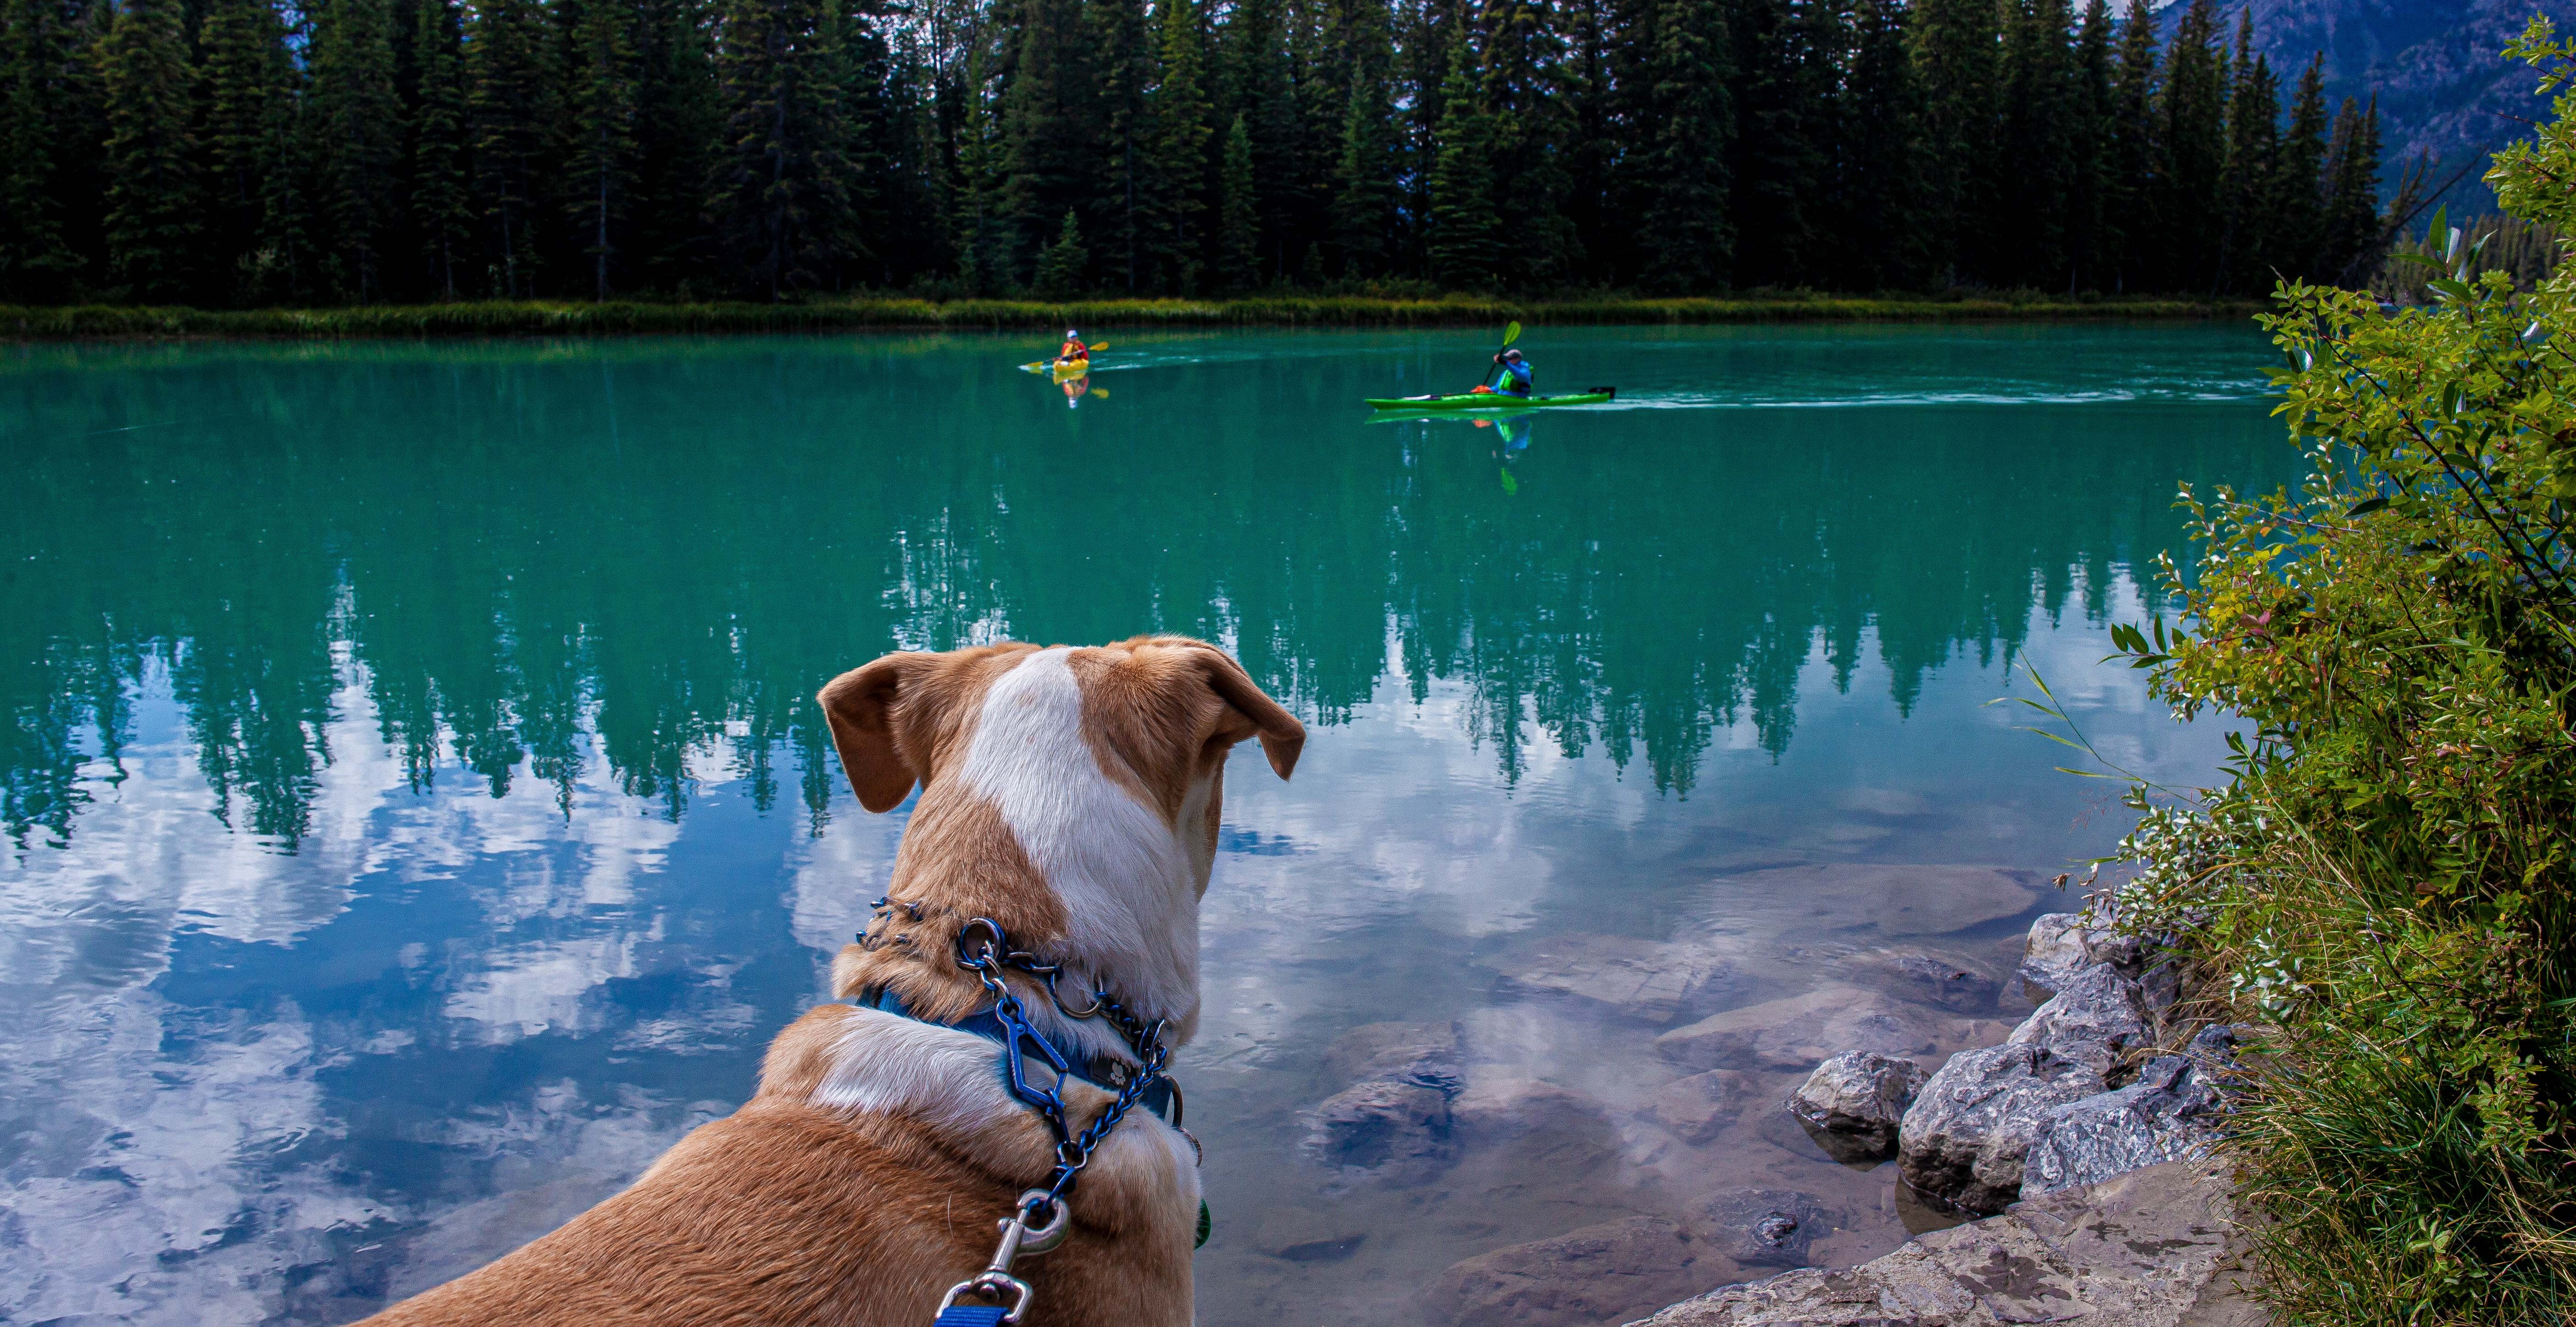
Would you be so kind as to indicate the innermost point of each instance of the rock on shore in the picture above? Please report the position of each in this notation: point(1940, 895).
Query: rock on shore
point(2151, 1248)
point(2164, 1116)
point(1966, 1135)
point(1854, 1102)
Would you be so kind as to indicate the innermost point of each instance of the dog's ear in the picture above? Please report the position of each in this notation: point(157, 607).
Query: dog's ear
point(1282, 737)
point(859, 704)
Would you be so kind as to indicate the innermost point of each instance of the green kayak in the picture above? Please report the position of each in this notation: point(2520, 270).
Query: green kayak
point(1490, 401)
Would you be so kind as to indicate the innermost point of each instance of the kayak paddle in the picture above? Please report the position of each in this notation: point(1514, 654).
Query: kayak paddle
point(1511, 333)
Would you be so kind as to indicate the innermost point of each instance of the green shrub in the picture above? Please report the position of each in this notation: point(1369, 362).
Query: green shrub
point(2385, 877)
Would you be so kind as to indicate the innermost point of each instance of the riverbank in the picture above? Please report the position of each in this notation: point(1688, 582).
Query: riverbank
point(625, 318)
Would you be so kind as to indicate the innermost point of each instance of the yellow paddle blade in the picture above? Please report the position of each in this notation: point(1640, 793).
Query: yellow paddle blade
point(1511, 332)
point(1101, 392)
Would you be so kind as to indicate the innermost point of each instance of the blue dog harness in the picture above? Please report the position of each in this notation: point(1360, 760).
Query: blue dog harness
point(1041, 1219)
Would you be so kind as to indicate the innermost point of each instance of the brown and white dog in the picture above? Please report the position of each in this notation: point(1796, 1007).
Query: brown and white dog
point(1072, 795)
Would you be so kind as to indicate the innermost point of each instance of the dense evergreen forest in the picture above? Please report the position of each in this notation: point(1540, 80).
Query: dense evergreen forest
point(252, 152)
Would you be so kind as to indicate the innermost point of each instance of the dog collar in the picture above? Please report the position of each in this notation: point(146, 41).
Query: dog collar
point(1106, 1072)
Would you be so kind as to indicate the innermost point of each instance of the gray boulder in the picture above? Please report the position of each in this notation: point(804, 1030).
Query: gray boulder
point(2164, 1116)
point(1647, 980)
point(1964, 1139)
point(1384, 1129)
point(1605, 1273)
point(2054, 953)
point(1761, 1227)
point(1852, 1104)
point(2095, 1020)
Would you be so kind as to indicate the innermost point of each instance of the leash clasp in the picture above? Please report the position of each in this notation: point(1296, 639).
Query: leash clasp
point(1018, 1237)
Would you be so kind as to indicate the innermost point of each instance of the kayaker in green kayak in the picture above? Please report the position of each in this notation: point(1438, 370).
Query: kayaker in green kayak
point(1511, 374)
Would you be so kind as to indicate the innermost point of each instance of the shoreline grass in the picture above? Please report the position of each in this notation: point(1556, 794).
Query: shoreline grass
point(628, 318)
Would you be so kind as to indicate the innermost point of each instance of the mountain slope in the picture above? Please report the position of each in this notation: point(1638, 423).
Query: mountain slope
point(2443, 90)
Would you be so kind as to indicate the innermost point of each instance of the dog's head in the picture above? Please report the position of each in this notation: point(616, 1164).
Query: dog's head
point(1072, 794)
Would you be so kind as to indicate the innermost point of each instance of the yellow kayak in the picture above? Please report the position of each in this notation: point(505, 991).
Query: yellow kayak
point(1063, 368)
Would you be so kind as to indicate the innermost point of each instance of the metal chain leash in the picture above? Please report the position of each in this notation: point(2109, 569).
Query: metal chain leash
point(1042, 1217)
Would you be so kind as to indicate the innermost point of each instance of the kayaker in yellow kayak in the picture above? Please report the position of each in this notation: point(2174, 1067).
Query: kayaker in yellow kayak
point(1074, 351)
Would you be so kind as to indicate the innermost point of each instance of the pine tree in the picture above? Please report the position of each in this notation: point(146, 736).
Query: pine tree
point(2245, 183)
point(1594, 141)
point(601, 96)
point(1956, 44)
point(509, 105)
point(676, 128)
point(2089, 145)
point(442, 203)
point(1062, 266)
point(1879, 187)
point(783, 176)
point(1785, 107)
point(2296, 207)
point(1466, 243)
point(1685, 119)
point(45, 82)
point(2042, 110)
point(1125, 63)
point(1527, 123)
point(2193, 126)
point(982, 237)
point(1049, 124)
point(1238, 215)
point(1177, 153)
point(1262, 90)
point(2135, 191)
point(1365, 178)
point(1427, 34)
point(857, 233)
point(359, 119)
point(2355, 238)
point(244, 67)
point(153, 208)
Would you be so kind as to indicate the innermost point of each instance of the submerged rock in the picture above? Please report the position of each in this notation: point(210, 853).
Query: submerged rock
point(1647, 980)
point(1964, 1139)
point(1699, 1107)
point(2095, 1020)
point(2164, 1116)
point(1933, 979)
point(1385, 1129)
point(1425, 1053)
point(1853, 1103)
point(1761, 1227)
point(1300, 1235)
point(1604, 1273)
point(2153, 1248)
point(1796, 1032)
point(1547, 1125)
point(1895, 900)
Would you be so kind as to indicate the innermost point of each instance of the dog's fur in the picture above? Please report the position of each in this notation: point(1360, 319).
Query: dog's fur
point(1073, 796)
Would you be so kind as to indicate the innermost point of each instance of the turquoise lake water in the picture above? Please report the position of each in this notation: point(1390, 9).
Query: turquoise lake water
point(416, 816)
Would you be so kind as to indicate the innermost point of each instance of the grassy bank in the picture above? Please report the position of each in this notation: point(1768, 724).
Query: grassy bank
point(2384, 885)
point(541, 318)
